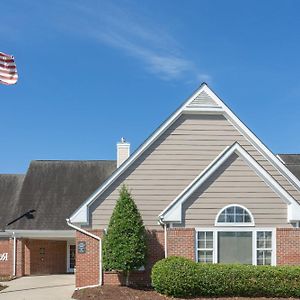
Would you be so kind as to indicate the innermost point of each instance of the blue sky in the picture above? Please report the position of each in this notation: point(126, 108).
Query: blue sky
point(93, 71)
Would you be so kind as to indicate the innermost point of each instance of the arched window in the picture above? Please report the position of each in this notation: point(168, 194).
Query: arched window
point(234, 215)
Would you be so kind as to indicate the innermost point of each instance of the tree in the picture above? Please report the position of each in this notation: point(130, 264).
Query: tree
point(124, 245)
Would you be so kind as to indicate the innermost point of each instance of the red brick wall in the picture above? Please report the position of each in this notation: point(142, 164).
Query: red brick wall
point(6, 267)
point(181, 242)
point(288, 246)
point(26, 258)
point(155, 247)
point(20, 258)
point(87, 264)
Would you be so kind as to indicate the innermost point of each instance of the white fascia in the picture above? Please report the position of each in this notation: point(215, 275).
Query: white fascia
point(80, 216)
point(173, 212)
point(38, 234)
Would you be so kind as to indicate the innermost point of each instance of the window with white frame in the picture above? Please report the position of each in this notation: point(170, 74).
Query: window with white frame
point(234, 215)
point(236, 245)
point(264, 247)
point(205, 246)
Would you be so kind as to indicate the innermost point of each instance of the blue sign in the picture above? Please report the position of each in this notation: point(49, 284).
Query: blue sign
point(81, 247)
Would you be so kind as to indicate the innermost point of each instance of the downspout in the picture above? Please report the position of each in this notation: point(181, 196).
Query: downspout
point(100, 246)
point(14, 255)
point(161, 222)
point(166, 240)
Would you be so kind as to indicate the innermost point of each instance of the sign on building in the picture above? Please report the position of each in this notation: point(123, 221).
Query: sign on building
point(3, 256)
point(81, 248)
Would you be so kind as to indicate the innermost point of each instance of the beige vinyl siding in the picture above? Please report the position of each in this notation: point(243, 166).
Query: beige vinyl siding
point(201, 209)
point(173, 161)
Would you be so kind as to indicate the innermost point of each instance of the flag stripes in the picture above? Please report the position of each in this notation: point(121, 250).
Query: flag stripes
point(8, 69)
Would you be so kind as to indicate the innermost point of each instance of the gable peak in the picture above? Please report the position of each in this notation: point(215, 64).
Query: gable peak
point(203, 98)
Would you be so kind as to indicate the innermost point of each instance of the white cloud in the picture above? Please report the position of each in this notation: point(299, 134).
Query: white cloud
point(138, 37)
point(121, 27)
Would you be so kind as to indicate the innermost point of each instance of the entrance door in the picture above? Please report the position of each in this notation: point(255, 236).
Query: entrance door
point(71, 257)
point(235, 247)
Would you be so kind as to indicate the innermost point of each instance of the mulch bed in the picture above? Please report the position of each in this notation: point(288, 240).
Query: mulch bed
point(125, 293)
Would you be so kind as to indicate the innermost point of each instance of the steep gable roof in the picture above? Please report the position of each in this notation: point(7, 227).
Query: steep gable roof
point(54, 189)
point(10, 188)
point(204, 100)
point(173, 213)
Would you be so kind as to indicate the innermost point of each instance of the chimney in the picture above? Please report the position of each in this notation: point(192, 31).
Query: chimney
point(123, 151)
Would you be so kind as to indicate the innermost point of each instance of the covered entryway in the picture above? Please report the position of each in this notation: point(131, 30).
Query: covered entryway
point(45, 257)
point(37, 253)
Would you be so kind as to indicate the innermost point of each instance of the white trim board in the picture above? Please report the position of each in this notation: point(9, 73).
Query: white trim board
point(50, 234)
point(81, 215)
point(173, 212)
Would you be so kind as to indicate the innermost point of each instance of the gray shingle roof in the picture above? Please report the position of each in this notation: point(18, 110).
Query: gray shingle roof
point(10, 187)
point(292, 162)
point(55, 189)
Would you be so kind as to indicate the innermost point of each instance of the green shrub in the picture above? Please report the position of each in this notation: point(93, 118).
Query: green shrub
point(179, 277)
point(124, 245)
point(174, 276)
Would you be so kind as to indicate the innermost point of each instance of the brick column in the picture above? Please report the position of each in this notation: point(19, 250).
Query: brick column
point(288, 246)
point(27, 257)
point(87, 264)
point(181, 242)
point(20, 258)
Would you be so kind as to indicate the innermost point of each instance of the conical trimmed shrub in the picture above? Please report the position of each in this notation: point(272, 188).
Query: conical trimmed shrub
point(124, 245)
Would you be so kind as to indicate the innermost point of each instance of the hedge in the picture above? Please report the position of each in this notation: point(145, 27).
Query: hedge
point(181, 277)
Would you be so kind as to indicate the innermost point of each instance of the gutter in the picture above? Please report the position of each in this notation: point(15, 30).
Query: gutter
point(100, 251)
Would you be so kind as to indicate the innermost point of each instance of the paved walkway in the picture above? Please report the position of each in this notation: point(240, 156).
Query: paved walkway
point(58, 287)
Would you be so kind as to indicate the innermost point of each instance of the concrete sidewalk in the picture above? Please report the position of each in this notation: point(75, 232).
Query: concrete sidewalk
point(59, 287)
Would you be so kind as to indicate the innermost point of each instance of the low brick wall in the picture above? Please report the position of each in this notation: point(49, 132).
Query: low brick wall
point(288, 246)
point(136, 278)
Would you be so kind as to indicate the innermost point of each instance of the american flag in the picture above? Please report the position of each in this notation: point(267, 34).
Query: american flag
point(8, 69)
